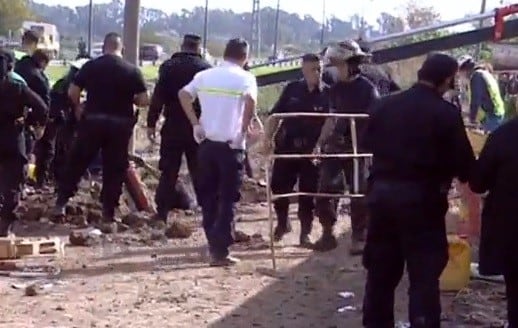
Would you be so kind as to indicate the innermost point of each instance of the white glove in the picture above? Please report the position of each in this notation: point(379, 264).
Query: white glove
point(198, 133)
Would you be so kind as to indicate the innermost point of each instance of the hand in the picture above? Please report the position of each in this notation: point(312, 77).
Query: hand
point(151, 134)
point(317, 151)
point(198, 133)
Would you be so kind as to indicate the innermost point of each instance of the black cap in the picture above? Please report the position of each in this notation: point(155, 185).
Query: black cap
point(192, 39)
point(437, 68)
point(8, 55)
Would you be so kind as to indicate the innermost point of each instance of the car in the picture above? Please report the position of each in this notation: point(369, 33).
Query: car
point(150, 52)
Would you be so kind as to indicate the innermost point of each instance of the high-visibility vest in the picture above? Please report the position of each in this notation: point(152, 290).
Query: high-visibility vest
point(494, 93)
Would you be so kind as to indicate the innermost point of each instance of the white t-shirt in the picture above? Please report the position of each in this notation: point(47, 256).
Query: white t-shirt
point(221, 91)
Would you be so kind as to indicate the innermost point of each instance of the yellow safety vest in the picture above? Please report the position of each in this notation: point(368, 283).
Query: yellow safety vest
point(494, 93)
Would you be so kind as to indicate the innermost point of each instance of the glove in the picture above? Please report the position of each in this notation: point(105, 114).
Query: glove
point(198, 133)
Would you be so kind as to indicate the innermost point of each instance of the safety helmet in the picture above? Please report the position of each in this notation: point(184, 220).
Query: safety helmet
point(343, 51)
point(464, 60)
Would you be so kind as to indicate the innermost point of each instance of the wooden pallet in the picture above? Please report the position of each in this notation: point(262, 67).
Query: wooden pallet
point(15, 247)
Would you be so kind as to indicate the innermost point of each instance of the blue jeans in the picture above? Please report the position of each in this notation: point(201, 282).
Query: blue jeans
point(491, 122)
point(220, 178)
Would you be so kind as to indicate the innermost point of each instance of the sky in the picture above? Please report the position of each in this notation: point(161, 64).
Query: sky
point(370, 9)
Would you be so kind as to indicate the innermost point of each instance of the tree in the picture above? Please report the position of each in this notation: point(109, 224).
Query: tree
point(418, 16)
point(389, 24)
point(12, 13)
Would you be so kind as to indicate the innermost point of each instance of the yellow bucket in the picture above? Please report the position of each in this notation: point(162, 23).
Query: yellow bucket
point(457, 273)
point(31, 172)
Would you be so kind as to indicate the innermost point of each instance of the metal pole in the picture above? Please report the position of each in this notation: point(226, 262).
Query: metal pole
point(480, 25)
point(131, 42)
point(90, 26)
point(276, 40)
point(324, 23)
point(432, 27)
point(205, 28)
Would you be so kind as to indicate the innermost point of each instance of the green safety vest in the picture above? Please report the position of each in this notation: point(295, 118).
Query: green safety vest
point(494, 93)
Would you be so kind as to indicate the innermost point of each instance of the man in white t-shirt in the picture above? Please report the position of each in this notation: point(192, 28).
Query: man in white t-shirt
point(228, 96)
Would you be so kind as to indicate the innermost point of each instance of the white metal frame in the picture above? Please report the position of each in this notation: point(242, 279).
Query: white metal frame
point(355, 156)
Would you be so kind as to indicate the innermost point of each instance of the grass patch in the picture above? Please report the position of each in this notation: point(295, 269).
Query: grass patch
point(151, 72)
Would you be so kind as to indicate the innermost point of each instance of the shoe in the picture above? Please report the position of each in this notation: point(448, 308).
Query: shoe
point(223, 261)
point(326, 243)
point(280, 231)
point(305, 241)
point(357, 247)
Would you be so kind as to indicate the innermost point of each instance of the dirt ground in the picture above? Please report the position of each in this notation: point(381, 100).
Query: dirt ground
point(142, 278)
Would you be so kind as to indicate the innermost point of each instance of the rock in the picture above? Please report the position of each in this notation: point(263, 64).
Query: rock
point(157, 235)
point(136, 220)
point(79, 220)
point(73, 210)
point(157, 224)
point(178, 230)
point(34, 213)
point(94, 216)
point(31, 290)
point(82, 238)
point(121, 227)
point(241, 237)
point(107, 227)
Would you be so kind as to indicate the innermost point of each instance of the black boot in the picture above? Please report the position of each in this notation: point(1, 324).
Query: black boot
point(281, 230)
point(305, 231)
point(327, 242)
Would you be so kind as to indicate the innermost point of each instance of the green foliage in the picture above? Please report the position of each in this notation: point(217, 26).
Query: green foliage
point(12, 13)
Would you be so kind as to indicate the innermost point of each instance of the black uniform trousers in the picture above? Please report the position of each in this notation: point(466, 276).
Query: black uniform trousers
point(64, 139)
point(334, 175)
point(220, 178)
point(168, 195)
point(285, 174)
point(110, 135)
point(13, 159)
point(406, 226)
point(44, 151)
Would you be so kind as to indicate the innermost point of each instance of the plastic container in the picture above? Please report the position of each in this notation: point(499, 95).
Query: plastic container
point(31, 172)
point(457, 273)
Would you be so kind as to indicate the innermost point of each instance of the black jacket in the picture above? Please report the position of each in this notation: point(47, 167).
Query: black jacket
point(417, 136)
point(15, 98)
point(174, 74)
point(34, 76)
point(496, 172)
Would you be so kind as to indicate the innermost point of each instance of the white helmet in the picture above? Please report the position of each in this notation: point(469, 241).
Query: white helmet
point(465, 59)
point(343, 51)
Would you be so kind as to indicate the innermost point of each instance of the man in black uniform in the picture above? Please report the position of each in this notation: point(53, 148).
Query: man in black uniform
point(297, 135)
point(419, 145)
point(113, 86)
point(13, 157)
point(31, 69)
point(176, 134)
point(352, 94)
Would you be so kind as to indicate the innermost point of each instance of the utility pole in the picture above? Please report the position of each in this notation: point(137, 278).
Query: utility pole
point(131, 42)
point(255, 44)
point(276, 40)
point(480, 25)
point(324, 24)
point(90, 26)
point(205, 28)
